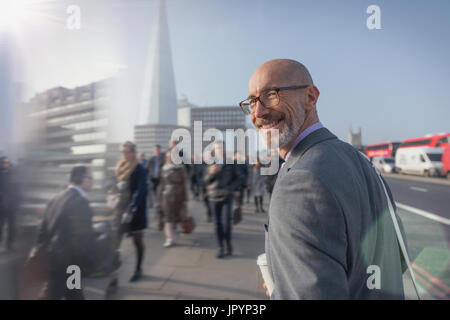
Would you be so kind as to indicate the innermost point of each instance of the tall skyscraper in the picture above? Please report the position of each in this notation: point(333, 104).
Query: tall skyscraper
point(159, 100)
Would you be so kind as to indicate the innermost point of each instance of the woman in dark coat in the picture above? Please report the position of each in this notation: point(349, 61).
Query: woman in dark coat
point(172, 197)
point(131, 209)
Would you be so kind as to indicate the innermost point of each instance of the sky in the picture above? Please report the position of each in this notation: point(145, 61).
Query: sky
point(392, 82)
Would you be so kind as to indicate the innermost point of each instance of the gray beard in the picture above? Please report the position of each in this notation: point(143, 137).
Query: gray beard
point(287, 134)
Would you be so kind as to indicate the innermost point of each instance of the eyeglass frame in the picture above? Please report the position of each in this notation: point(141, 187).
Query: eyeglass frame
point(277, 90)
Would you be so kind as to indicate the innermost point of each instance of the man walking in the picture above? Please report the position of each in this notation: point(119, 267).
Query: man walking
point(66, 234)
point(222, 184)
point(154, 171)
point(9, 201)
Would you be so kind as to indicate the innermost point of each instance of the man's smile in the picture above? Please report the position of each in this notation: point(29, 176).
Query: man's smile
point(271, 125)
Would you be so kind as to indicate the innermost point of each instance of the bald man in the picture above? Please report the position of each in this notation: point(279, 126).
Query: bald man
point(330, 234)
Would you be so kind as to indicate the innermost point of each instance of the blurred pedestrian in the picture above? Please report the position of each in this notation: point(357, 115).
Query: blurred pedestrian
point(258, 186)
point(142, 160)
point(248, 188)
point(144, 163)
point(199, 168)
point(222, 183)
point(204, 168)
point(271, 179)
point(172, 197)
point(242, 167)
point(66, 236)
point(154, 170)
point(131, 209)
point(9, 201)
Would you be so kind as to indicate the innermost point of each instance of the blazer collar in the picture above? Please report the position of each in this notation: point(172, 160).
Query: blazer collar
point(312, 139)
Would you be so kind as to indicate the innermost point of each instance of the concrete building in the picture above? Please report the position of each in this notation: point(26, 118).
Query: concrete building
point(69, 128)
point(184, 112)
point(148, 136)
point(220, 118)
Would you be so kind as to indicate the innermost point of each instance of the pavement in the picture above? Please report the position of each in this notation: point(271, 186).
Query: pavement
point(190, 270)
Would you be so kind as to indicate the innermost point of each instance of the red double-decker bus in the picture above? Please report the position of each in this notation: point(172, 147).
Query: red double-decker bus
point(385, 149)
point(433, 141)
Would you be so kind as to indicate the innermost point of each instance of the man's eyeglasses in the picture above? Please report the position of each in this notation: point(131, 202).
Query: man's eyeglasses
point(269, 98)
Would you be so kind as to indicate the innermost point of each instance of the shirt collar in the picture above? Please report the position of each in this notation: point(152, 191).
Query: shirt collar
point(81, 191)
point(316, 126)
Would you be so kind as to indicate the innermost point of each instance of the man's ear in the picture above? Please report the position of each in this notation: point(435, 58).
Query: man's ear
point(311, 96)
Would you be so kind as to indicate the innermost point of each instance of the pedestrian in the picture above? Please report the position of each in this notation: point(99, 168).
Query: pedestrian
point(9, 201)
point(258, 186)
point(222, 184)
point(248, 189)
point(66, 236)
point(243, 169)
point(172, 197)
point(329, 218)
point(205, 197)
point(131, 215)
point(195, 184)
point(155, 164)
point(142, 160)
point(200, 173)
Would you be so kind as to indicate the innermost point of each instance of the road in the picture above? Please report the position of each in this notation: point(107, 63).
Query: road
point(422, 194)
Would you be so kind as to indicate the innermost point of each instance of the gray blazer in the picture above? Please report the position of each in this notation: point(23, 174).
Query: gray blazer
point(328, 222)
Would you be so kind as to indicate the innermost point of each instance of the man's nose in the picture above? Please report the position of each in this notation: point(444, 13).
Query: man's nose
point(260, 110)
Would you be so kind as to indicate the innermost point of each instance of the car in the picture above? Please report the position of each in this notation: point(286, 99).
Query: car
point(424, 161)
point(384, 164)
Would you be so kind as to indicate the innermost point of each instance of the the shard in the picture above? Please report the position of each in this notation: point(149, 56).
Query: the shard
point(159, 100)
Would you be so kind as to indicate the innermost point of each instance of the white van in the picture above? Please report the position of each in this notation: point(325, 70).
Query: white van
point(424, 161)
point(384, 164)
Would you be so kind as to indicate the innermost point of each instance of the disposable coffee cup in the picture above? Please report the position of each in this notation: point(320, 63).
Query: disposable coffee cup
point(262, 263)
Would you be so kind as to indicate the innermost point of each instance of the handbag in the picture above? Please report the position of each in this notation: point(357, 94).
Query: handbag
point(237, 215)
point(33, 283)
point(236, 211)
point(188, 225)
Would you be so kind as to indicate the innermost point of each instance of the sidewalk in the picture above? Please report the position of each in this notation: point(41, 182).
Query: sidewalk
point(190, 270)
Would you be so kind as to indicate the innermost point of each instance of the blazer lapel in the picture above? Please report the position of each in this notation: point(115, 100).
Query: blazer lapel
point(312, 139)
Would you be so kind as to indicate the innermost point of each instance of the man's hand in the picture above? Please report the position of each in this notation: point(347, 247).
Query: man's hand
point(267, 291)
point(214, 168)
point(126, 218)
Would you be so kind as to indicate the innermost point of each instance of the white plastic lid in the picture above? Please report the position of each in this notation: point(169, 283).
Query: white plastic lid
point(262, 260)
